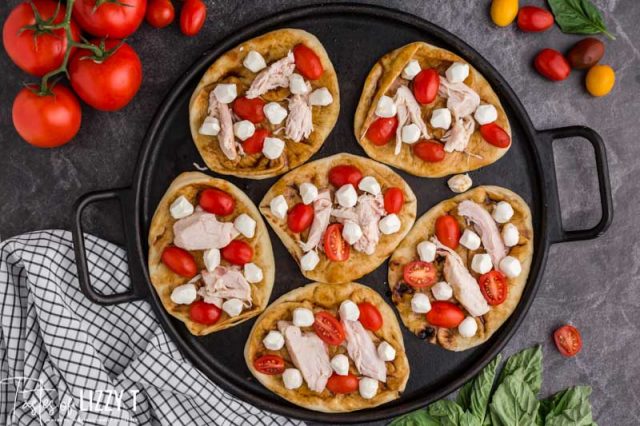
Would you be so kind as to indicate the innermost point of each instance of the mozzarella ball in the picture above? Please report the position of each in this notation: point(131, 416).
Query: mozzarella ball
point(225, 93)
point(349, 311)
point(254, 61)
point(481, 263)
point(410, 133)
point(485, 114)
point(468, 327)
point(232, 307)
point(274, 340)
point(252, 273)
point(274, 112)
point(297, 85)
point(184, 294)
point(368, 387)
point(420, 303)
point(411, 70)
point(245, 225)
point(279, 207)
point(272, 148)
point(308, 192)
point(427, 251)
point(457, 72)
point(442, 291)
point(303, 317)
point(386, 352)
point(309, 261)
point(292, 378)
point(510, 235)
point(369, 184)
point(340, 364)
point(210, 127)
point(470, 239)
point(320, 97)
point(347, 196)
point(510, 266)
point(459, 183)
point(386, 107)
point(390, 224)
point(351, 232)
point(244, 129)
point(211, 259)
point(502, 212)
point(181, 208)
point(441, 118)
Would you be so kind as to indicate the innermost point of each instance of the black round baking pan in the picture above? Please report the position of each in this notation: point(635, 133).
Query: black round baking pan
point(355, 36)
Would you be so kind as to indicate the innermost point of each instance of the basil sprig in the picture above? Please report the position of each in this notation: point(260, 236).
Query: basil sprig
point(578, 17)
point(513, 402)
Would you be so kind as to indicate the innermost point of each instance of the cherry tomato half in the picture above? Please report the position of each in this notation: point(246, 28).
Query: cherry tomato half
point(328, 328)
point(382, 130)
point(493, 286)
point(393, 200)
point(204, 313)
point(425, 85)
point(343, 384)
point(114, 19)
point(180, 261)
point(217, 202)
point(269, 364)
point(237, 252)
point(419, 274)
point(534, 19)
point(495, 135)
point(249, 109)
point(552, 65)
point(370, 316)
point(300, 217)
point(344, 174)
point(307, 62)
point(429, 151)
point(192, 17)
point(254, 144)
point(568, 340)
point(160, 13)
point(448, 231)
point(335, 246)
point(445, 314)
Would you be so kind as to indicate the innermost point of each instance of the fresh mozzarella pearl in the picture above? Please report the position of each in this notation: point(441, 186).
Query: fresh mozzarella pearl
point(510, 266)
point(386, 352)
point(252, 273)
point(442, 291)
point(210, 127)
point(340, 364)
point(502, 212)
point(349, 311)
point(292, 378)
point(368, 387)
point(272, 148)
point(225, 93)
point(470, 240)
point(232, 307)
point(244, 129)
point(184, 294)
point(308, 192)
point(420, 303)
point(386, 107)
point(275, 112)
point(441, 118)
point(457, 72)
point(278, 206)
point(297, 85)
point(468, 327)
point(459, 183)
point(274, 340)
point(245, 225)
point(321, 97)
point(426, 251)
point(389, 224)
point(411, 70)
point(481, 263)
point(211, 259)
point(309, 261)
point(369, 184)
point(347, 196)
point(486, 114)
point(510, 235)
point(302, 317)
point(351, 232)
point(254, 61)
point(181, 207)
point(410, 134)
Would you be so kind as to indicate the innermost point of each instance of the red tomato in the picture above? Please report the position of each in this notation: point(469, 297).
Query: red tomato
point(249, 109)
point(429, 151)
point(382, 130)
point(307, 62)
point(343, 384)
point(370, 316)
point(114, 19)
point(237, 252)
point(160, 13)
point(46, 121)
point(254, 144)
point(217, 201)
point(393, 200)
point(335, 247)
point(448, 231)
point(269, 364)
point(419, 274)
point(445, 314)
point(493, 285)
point(425, 85)
point(552, 65)
point(192, 17)
point(180, 261)
point(204, 313)
point(107, 84)
point(568, 340)
point(35, 53)
point(344, 174)
point(495, 135)
point(328, 328)
point(534, 19)
point(300, 217)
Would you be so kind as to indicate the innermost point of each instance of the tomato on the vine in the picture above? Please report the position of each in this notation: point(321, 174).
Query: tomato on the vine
point(109, 18)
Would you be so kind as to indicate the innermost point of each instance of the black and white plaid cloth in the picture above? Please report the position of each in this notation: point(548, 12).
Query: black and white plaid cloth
point(67, 361)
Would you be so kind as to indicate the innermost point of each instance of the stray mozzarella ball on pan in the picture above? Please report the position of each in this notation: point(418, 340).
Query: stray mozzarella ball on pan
point(181, 208)
point(510, 235)
point(502, 212)
point(303, 317)
point(274, 340)
point(292, 378)
point(254, 61)
point(309, 261)
point(468, 327)
point(386, 108)
point(184, 294)
point(459, 183)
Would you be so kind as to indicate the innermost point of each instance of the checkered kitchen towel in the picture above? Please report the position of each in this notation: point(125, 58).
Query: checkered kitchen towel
point(63, 358)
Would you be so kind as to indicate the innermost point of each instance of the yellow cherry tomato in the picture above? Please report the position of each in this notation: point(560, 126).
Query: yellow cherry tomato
point(600, 80)
point(503, 12)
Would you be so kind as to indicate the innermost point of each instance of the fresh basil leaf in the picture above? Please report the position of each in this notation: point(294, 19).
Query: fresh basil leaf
point(578, 17)
point(468, 419)
point(576, 416)
point(446, 412)
point(513, 402)
point(570, 406)
point(474, 395)
point(530, 361)
point(416, 418)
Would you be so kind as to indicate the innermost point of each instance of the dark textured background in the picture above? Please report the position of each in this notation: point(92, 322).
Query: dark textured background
point(592, 284)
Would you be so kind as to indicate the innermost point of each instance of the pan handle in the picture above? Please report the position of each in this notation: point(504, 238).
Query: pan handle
point(138, 289)
point(557, 232)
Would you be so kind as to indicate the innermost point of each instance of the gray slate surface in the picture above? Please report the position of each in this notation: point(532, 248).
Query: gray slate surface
point(592, 284)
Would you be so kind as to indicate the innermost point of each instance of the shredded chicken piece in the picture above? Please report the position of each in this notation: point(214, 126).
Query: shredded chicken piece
point(225, 283)
point(275, 75)
point(299, 124)
point(408, 112)
point(366, 214)
point(202, 231)
point(486, 227)
point(226, 138)
point(321, 218)
point(462, 100)
point(363, 352)
point(457, 138)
